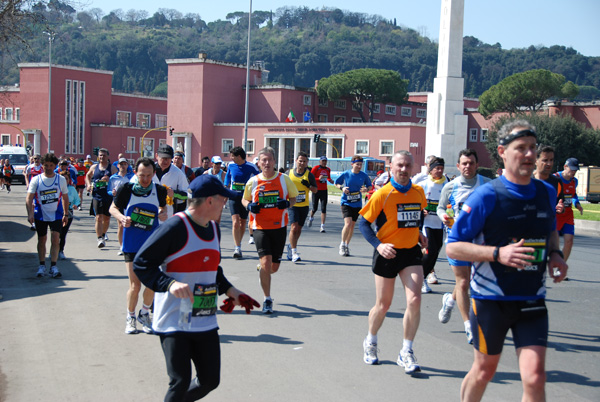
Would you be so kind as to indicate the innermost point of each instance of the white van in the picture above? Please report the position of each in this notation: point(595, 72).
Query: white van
point(18, 158)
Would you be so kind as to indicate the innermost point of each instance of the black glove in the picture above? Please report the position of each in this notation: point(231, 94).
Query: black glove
point(305, 183)
point(283, 204)
point(254, 207)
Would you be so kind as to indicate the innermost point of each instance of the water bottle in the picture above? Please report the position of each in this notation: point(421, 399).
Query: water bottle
point(185, 314)
point(450, 213)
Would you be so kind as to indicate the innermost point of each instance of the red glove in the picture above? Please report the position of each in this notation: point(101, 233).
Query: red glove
point(228, 305)
point(248, 303)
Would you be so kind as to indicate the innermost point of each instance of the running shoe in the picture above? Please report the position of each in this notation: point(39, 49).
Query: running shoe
point(342, 249)
point(146, 322)
point(61, 255)
point(322, 229)
point(346, 251)
point(469, 333)
point(296, 257)
point(267, 307)
point(251, 240)
point(41, 271)
point(289, 253)
point(54, 272)
point(370, 350)
point(32, 228)
point(446, 310)
point(8, 190)
point(120, 252)
point(310, 221)
point(79, 208)
point(101, 242)
point(105, 237)
point(130, 327)
point(425, 288)
point(408, 360)
point(237, 253)
point(258, 267)
point(432, 279)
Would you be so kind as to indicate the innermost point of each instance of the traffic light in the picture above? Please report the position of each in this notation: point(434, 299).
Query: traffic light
point(316, 138)
point(171, 129)
point(96, 149)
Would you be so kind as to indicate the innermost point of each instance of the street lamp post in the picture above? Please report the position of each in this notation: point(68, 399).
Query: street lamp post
point(247, 81)
point(50, 39)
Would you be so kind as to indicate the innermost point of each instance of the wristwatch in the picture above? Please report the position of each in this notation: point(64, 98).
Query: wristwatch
point(496, 253)
point(557, 251)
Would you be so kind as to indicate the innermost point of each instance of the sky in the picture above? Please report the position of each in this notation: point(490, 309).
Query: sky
point(512, 23)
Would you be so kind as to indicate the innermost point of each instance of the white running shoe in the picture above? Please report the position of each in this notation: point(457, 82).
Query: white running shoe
point(237, 253)
point(54, 272)
point(296, 257)
point(322, 229)
point(251, 240)
point(425, 288)
point(146, 322)
point(41, 271)
point(130, 327)
point(408, 361)
point(346, 251)
point(101, 243)
point(342, 249)
point(120, 252)
point(105, 237)
point(310, 221)
point(289, 252)
point(432, 278)
point(258, 267)
point(446, 311)
point(370, 352)
point(61, 255)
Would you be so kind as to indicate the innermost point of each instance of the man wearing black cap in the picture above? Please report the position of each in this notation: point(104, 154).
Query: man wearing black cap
point(323, 175)
point(507, 228)
point(172, 178)
point(180, 261)
point(565, 223)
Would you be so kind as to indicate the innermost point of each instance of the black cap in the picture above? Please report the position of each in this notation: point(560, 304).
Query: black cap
point(165, 151)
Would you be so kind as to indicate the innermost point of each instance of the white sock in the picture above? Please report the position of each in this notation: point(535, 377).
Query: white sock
point(371, 338)
point(145, 309)
point(467, 325)
point(131, 314)
point(294, 251)
point(451, 303)
point(406, 345)
point(268, 298)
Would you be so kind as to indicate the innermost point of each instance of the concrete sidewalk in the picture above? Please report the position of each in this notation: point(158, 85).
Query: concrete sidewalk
point(63, 339)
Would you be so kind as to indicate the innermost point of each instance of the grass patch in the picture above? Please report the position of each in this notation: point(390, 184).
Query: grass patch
point(591, 212)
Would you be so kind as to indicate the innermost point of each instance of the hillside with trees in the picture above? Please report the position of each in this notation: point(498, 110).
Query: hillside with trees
point(297, 45)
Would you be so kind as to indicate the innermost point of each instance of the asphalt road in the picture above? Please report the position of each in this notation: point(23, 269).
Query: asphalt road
point(63, 339)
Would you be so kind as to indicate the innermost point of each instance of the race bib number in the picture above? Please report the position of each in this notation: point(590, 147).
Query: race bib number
point(237, 186)
point(432, 207)
point(100, 184)
point(205, 300)
point(353, 196)
point(80, 173)
point(539, 253)
point(142, 219)
point(568, 201)
point(301, 196)
point(49, 196)
point(268, 199)
point(409, 215)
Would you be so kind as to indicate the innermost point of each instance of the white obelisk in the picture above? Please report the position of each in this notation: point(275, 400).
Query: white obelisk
point(446, 132)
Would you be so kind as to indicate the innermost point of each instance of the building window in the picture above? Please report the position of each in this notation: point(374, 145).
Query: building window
point(390, 109)
point(307, 100)
point(405, 111)
point(226, 145)
point(8, 112)
point(422, 113)
point(250, 147)
point(339, 119)
point(356, 107)
point(357, 120)
point(377, 108)
point(162, 142)
point(17, 114)
point(484, 132)
point(147, 148)
point(123, 118)
point(130, 145)
point(361, 147)
point(5, 139)
point(74, 116)
point(161, 120)
point(323, 102)
point(340, 104)
point(142, 120)
point(322, 118)
point(473, 134)
point(1, 113)
point(386, 148)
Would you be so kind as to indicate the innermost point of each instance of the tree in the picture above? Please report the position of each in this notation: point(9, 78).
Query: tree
point(524, 90)
point(568, 137)
point(366, 87)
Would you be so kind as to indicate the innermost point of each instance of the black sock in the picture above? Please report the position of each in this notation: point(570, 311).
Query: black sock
point(43, 263)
